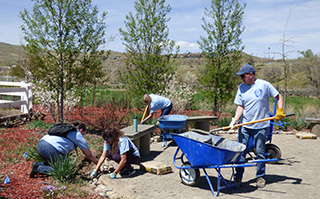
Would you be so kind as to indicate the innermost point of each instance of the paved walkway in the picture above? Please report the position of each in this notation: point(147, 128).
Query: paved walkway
point(297, 175)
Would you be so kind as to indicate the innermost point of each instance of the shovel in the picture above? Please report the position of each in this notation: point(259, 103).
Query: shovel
point(242, 124)
point(145, 111)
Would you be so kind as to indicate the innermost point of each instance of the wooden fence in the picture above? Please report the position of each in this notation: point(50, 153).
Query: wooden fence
point(22, 89)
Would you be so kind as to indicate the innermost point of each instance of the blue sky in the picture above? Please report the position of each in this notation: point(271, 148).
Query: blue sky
point(265, 23)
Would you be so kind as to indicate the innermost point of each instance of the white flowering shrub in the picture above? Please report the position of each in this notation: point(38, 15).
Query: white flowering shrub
point(180, 90)
point(50, 100)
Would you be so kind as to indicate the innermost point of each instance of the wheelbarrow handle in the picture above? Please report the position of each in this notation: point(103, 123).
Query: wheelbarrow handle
point(246, 123)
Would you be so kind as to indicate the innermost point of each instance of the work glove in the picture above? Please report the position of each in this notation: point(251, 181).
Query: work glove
point(279, 114)
point(233, 122)
point(112, 175)
point(93, 173)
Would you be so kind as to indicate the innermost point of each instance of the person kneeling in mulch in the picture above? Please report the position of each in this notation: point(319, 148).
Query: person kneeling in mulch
point(52, 147)
point(121, 149)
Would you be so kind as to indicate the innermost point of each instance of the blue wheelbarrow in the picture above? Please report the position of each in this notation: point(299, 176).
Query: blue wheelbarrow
point(272, 151)
point(172, 124)
point(206, 152)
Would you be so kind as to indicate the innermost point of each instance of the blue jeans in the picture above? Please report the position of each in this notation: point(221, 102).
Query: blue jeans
point(167, 110)
point(48, 153)
point(259, 140)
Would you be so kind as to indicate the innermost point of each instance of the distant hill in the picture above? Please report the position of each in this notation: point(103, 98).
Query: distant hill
point(10, 54)
point(271, 71)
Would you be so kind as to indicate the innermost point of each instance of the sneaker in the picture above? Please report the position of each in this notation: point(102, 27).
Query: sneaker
point(127, 173)
point(131, 171)
point(124, 172)
point(238, 182)
point(34, 170)
point(261, 182)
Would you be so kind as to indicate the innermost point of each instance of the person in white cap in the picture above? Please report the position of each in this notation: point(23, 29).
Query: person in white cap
point(252, 99)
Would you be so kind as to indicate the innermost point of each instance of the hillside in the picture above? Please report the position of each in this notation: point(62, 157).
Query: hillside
point(9, 54)
point(270, 70)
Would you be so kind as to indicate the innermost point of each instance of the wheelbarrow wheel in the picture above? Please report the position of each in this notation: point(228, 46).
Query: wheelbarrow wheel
point(273, 151)
point(189, 176)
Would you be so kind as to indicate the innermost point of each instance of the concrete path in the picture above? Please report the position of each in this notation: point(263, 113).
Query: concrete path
point(297, 175)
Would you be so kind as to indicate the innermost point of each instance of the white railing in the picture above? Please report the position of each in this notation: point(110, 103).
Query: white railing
point(22, 89)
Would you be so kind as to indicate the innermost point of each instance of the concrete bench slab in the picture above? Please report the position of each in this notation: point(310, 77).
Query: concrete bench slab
point(141, 138)
point(202, 122)
point(314, 125)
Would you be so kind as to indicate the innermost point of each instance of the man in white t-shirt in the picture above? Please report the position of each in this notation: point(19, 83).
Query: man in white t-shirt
point(252, 99)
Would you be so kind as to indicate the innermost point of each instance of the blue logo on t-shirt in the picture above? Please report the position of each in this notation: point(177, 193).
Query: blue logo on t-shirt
point(258, 92)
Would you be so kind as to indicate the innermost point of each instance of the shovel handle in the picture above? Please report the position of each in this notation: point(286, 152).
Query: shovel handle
point(242, 124)
point(145, 111)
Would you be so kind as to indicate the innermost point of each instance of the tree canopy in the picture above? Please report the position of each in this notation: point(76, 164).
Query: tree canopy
point(63, 43)
point(149, 52)
point(222, 49)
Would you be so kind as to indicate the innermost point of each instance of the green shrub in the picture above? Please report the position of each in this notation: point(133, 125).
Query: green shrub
point(222, 122)
point(299, 124)
point(63, 169)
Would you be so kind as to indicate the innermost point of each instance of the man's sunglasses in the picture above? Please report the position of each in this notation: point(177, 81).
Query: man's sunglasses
point(243, 75)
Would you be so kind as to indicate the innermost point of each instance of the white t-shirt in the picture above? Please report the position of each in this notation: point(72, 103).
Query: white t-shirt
point(124, 145)
point(158, 102)
point(255, 99)
point(64, 145)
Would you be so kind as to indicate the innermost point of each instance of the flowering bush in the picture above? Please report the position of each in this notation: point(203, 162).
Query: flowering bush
point(51, 191)
point(50, 100)
point(180, 90)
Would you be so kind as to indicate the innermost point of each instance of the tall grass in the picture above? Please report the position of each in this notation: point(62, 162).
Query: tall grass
point(64, 169)
point(303, 106)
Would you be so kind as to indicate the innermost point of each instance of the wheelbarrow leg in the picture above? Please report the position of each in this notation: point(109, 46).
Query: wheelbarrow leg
point(209, 182)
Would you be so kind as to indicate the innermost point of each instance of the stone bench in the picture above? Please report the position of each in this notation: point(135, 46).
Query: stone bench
point(202, 122)
point(141, 138)
point(314, 125)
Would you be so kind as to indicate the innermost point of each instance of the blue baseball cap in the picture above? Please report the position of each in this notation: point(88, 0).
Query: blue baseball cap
point(246, 69)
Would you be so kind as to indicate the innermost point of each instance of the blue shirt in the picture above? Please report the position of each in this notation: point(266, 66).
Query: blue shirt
point(158, 102)
point(255, 99)
point(64, 145)
point(123, 146)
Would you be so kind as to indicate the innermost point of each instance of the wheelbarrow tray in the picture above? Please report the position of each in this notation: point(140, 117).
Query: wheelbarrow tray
point(173, 122)
point(208, 150)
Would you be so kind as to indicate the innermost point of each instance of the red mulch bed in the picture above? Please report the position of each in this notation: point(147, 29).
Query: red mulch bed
point(21, 185)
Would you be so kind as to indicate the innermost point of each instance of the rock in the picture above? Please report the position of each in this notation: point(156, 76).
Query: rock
point(102, 189)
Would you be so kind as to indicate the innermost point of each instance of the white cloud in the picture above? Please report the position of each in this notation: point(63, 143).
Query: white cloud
point(187, 46)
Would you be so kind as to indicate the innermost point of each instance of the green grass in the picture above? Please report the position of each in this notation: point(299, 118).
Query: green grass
point(38, 124)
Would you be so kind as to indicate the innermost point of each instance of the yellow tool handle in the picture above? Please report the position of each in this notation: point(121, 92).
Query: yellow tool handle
point(145, 111)
point(246, 123)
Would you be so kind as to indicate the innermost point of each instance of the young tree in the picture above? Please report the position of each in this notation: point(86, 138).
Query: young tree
point(63, 39)
point(222, 49)
point(149, 52)
point(311, 63)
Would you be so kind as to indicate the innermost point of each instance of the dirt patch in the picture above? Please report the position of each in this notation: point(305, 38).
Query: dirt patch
point(6, 111)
